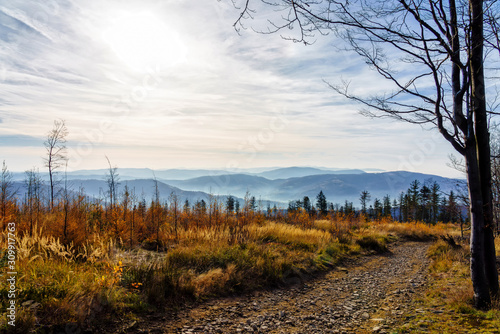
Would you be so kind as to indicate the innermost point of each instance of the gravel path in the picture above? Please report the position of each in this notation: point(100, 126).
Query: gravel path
point(369, 296)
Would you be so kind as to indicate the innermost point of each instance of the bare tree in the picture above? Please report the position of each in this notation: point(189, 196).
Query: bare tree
point(443, 43)
point(129, 200)
point(112, 178)
point(126, 199)
point(156, 212)
point(33, 199)
point(174, 209)
point(7, 193)
point(495, 171)
point(55, 146)
point(66, 204)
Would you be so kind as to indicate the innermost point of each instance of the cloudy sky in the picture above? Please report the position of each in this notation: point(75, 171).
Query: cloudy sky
point(170, 84)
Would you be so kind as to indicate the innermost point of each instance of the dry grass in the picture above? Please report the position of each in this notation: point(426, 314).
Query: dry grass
point(56, 281)
point(311, 238)
point(202, 266)
point(447, 306)
point(196, 236)
point(341, 227)
point(39, 246)
point(416, 231)
point(81, 284)
point(497, 246)
point(215, 281)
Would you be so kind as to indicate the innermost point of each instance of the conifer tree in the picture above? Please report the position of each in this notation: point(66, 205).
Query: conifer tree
point(321, 203)
point(364, 199)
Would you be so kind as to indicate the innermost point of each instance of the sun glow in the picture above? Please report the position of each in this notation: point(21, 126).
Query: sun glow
point(144, 42)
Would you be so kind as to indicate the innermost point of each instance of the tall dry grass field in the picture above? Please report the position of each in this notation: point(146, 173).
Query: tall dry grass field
point(130, 262)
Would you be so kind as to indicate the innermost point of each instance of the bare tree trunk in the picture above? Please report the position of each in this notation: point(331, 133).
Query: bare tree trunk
point(56, 154)
point(51, 187)
point(477, 265)
point(478, 104)
point(132, 227)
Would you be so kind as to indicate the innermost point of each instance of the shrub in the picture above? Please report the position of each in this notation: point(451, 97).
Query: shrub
point(375, 243)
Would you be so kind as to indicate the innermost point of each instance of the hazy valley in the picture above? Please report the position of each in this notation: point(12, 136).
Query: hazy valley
point(275, 186)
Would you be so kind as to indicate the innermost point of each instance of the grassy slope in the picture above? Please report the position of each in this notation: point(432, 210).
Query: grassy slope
point(447, 306)
point(59, 285)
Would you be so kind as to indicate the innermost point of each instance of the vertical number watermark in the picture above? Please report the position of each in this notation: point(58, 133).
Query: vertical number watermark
point(11, 274)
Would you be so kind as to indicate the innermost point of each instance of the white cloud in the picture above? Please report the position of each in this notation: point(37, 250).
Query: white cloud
point(252, 98)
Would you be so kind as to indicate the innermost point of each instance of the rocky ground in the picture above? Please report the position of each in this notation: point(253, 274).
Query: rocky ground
point(368, 295)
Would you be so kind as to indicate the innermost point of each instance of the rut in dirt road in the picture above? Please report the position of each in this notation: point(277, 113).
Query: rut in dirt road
point(370, 296)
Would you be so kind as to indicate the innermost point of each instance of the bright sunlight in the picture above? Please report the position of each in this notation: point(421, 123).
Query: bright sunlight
point(144, 42)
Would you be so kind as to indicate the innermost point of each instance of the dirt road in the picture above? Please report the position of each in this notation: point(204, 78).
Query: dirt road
point(369, 295)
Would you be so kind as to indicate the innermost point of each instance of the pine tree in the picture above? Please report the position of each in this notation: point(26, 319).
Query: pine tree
point(401, 206)
point(413, 199)
point(321, 203)
point(425, 197)
point(394, 207)
point(434, 202)
point(364, 198)
point(387, 206)
point(378, 208)
point(230, 204)
point(306, 203)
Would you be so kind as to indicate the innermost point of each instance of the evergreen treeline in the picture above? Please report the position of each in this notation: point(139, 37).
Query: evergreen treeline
point(428, 204)
point(421, 202)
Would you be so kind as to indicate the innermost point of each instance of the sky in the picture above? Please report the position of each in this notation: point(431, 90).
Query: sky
point(169, 84)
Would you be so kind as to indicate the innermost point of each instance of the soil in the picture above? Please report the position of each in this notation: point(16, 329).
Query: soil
point(370, 294)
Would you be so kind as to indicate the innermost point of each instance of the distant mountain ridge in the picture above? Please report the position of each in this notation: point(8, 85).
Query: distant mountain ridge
point(336, 187)
point(286, 173)
point(185, 174)
point(279, 185)
point(142, 189)
point(134, 174)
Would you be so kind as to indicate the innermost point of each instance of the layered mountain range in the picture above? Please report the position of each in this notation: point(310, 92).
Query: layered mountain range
point(275, 186)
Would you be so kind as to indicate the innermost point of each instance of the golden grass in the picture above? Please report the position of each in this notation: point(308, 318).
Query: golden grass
point(81, 284)
point(39, 246)
point(497, 246)
point(340, 228)
point(418, 231)
point(56, 281)
point(289, 234)
point(204, 235)
point(446, 259)
point(215, 281)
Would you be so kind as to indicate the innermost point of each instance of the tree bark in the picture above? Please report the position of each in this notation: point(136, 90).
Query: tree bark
point(477, 264)
point(478, 104)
